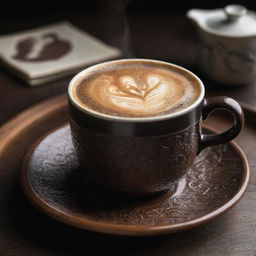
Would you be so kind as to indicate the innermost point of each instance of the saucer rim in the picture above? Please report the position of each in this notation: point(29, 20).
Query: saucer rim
point(122, 229)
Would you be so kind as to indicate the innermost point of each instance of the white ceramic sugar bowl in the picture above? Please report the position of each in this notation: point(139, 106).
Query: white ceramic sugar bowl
point(228, 43)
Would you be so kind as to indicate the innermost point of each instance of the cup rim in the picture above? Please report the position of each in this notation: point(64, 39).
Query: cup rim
point(133, 119)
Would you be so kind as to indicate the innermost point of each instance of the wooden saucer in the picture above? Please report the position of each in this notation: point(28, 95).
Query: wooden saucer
point(52, 180)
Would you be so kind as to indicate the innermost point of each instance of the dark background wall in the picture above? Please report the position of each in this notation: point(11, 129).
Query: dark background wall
point(16, 9)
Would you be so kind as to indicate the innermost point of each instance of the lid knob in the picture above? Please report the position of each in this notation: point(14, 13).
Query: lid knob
point(235, 11)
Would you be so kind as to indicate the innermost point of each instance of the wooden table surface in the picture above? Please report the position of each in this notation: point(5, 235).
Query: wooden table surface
point(160, 36)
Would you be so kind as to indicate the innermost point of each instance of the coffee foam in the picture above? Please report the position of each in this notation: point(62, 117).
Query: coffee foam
point(136, 90)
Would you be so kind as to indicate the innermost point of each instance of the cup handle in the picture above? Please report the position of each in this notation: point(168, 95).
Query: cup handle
point(223, 103)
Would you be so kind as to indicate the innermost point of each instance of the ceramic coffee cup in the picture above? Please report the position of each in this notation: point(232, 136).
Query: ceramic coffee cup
point(147, 155)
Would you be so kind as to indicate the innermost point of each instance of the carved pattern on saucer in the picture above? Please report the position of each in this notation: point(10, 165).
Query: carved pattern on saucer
point(53, 172)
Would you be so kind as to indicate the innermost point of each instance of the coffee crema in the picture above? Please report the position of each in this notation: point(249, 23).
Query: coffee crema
point(136, 89)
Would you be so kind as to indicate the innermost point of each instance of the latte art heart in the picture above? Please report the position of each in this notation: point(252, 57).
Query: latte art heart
point(136, 92)
point(130, 96)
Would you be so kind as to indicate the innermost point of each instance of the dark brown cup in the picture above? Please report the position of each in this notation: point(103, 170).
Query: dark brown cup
point(145, 156)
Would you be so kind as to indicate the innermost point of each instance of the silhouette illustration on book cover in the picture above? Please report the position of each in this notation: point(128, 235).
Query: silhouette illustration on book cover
point(47, 47)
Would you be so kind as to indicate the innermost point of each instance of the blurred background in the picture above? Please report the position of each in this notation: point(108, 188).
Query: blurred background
point(156, 29)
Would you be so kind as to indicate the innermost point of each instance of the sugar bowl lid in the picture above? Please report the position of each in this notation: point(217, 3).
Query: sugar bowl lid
point(233, 20)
